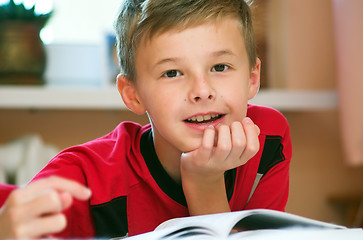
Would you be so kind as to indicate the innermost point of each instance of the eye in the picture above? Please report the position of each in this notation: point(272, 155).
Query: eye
point(219, 68)
point(172, 74)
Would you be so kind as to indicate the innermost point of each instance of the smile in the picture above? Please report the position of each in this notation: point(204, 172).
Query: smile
point(204, 119)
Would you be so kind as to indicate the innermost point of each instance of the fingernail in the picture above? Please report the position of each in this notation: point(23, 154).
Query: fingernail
point(247, 120)
point(87, 192)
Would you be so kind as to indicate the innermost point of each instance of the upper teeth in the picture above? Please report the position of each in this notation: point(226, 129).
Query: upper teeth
point(201, 118)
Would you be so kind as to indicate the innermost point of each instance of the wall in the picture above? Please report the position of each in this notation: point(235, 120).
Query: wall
point(301, 46)
point(302, 57)
point(318, 170)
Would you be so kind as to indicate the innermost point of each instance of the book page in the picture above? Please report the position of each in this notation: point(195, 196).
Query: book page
point(270, 219)
point(174, 232)
point(218, 225)
point(221, 224)
point(299, 234)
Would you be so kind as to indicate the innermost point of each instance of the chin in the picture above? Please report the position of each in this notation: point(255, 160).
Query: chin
point(191, 146)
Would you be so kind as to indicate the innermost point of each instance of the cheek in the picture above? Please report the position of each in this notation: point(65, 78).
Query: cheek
point(237, 101)
point(162, 108)
point(235, 93)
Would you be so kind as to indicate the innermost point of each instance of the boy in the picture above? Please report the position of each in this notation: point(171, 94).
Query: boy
point(191, 66)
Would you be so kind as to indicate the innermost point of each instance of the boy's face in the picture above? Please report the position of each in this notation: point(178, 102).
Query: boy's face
point(190, 79)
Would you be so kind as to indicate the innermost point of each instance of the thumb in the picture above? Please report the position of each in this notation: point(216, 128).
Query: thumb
point(66, 200)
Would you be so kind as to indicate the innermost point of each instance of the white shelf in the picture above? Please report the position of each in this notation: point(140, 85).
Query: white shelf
point(107, 98)
point(297, 100)
point(49, 97)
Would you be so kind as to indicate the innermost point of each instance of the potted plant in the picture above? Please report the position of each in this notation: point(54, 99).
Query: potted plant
point(22, 53)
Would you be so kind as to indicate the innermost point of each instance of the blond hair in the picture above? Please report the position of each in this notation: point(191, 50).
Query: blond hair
point(139, 19)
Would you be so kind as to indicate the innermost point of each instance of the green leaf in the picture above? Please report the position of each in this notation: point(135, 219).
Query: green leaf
point(12, 11)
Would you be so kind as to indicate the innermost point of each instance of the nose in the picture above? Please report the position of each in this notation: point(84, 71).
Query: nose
point(201, 90)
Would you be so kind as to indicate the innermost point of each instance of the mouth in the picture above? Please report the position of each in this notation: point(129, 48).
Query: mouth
point(204, 119)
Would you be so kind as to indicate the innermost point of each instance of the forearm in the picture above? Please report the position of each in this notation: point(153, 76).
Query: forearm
point(206, 199)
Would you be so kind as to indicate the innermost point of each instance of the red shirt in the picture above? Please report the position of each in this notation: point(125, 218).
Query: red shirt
point(5, 190)
point(132, 193)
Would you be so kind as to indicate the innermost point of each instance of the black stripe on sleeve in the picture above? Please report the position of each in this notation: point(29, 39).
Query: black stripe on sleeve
point(110, 218)
point(272, 154)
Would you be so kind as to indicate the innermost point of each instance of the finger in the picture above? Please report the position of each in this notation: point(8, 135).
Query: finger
point(207, 144)
point(43, 226)
point(224, 144)
point(252, 141)
point(238, 144)
point(66, 200)
point(190, 161)
point(208, 138)
point(258, 131)
point(45, 203)
point(74, 188)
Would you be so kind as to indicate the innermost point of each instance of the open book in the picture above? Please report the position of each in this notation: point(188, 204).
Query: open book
point(244, 225)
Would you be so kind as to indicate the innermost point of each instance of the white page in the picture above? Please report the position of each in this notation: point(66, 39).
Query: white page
point(219, 225)
point(299, 234)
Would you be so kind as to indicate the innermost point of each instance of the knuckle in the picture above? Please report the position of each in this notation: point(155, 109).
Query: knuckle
point(51, 195)
point(52, 199)
point(253, 149)
point(237, 126)
point(239, 143)
point(52, 179)
point(60, 222)
point(14, 215)
point(205, 147)
point(224, 147)
point(16, 233)
point(15, 197)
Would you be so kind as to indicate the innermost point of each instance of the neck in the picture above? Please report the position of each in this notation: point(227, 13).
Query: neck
point(168, 156)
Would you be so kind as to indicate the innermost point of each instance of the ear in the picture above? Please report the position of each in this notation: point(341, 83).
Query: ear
point(129, 95)
point(254, 84)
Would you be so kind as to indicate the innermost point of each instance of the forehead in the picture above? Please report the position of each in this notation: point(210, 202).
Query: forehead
point(227, 21)
point(202, 42)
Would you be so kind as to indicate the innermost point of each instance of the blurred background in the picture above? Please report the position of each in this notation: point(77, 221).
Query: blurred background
point(310, 51)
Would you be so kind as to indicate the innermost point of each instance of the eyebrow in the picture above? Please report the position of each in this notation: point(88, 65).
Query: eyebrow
point(223, 53)
point(219, 53)
point(166, 60)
